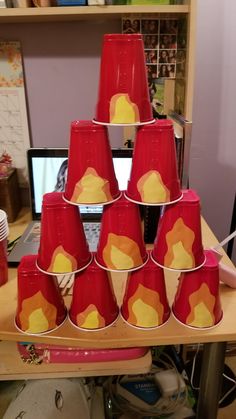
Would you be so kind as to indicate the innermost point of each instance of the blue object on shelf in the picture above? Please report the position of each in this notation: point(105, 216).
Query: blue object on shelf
point(71, 2)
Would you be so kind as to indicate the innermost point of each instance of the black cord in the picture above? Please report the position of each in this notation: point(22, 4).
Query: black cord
point(11, 244)
point(230, 246)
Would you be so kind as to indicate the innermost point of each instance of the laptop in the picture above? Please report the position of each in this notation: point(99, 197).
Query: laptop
point(45, 168)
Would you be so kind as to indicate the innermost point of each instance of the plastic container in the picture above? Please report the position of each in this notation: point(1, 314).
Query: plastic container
point(197, 300)
point(121, 246)
point(145, 303)
point(178, 243)
point(40, 306)
point(154, 175)
point(91, 177)
point(63, 247)
point(93, 305)
point(123, 97)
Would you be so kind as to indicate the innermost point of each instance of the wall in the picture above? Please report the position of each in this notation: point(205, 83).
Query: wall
point(61, 62)
point(213, 154)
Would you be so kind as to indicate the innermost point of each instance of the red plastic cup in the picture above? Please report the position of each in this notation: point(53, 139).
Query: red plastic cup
point(123, 96)
point(40, 306)
point(178, 243)
point(145, 303)
point(63, 247)
point(93, 305)
point(91, 177)
point(121, 246)
point(197, 301)
point(154, 174)
point(3, 261)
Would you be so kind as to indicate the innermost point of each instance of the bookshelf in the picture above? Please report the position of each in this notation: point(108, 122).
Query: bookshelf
point(101, 13)
point(73, 13)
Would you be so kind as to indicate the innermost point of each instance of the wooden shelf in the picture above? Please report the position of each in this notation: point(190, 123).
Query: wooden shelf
point(13, 368)
point(50, 14)
point(120, 334)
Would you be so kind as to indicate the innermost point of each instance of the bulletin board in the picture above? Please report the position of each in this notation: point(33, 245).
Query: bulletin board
point(14, 131)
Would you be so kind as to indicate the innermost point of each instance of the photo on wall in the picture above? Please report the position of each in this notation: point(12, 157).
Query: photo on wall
point(165, 55)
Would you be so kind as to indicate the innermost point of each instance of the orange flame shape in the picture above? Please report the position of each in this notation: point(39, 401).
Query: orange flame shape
point(202, 304)
point(90, 318)
point(91, 188)
point(152, 188)
point(121, 252)
point(37, 314)
point(123, 110)
point(180, 240)
point(145, 308)
point(62, 261)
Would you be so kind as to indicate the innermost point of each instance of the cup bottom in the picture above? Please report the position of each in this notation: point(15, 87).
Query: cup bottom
point(177, 270)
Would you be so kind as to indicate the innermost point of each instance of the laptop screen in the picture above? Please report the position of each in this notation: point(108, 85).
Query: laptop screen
point(47, 169)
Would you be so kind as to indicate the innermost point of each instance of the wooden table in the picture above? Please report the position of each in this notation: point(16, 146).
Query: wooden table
point(121, 335)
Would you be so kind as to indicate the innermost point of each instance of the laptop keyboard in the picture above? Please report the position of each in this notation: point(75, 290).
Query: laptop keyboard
point(92, 231)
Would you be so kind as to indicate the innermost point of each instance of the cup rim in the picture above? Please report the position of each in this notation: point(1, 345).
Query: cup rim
point(145, 328)
point(3, 215)
point(3, 237)
point(160, 204)
point(4, 229)
point(41, 333)
point(64, 273)
point(3, 223)
point(123, 270)
point(178, 270)
point(196, 328)
point(94, 204)
point(94, 330)
point(95, 121)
